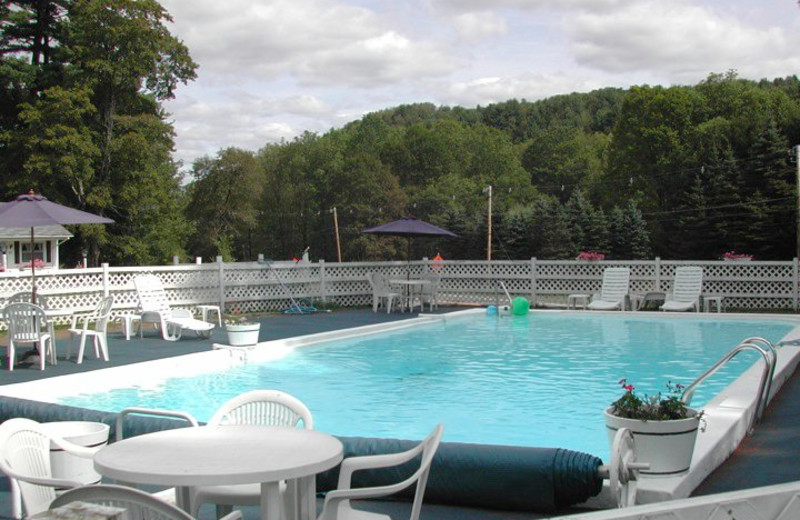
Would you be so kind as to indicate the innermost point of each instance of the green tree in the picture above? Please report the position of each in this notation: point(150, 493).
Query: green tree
point(224, 204)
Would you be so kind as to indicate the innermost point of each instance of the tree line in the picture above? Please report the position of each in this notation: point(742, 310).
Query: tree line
point(682, 172)
point(685, 172)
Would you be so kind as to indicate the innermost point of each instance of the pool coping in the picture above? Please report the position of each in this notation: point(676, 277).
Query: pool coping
point(727, 415)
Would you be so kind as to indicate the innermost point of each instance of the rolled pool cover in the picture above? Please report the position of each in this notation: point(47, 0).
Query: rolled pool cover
point(512, 478)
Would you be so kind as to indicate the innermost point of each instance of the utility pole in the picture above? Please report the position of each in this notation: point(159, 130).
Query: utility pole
point(489, 225)
point(797, 222)
point(336, 228)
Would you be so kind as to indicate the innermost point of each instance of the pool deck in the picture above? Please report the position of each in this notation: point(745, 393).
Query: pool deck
point(768, 457)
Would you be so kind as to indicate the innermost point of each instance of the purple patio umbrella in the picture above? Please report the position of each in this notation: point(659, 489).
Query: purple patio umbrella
point(30, 209)
point(410, 227)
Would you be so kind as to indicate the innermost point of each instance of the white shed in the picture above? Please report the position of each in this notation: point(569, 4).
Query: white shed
point(15, 245)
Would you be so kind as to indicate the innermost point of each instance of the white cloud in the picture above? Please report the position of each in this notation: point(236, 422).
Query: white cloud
point(522, 5)
point(681, 39)
point(319, 42)
point(530, 87)
point(477, 25)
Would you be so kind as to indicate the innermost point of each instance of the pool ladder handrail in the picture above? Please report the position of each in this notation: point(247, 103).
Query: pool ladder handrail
point(767, 351)
point(152, 412)
point(502, 285)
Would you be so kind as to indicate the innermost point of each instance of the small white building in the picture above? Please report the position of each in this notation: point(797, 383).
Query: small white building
point(15, 246)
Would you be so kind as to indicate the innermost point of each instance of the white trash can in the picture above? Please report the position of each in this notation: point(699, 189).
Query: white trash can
point(82, 433)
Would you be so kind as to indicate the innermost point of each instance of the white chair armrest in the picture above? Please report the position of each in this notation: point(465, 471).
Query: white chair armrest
point(43, 481)
point(233, 515)
point(85, 317)
point(352, 464)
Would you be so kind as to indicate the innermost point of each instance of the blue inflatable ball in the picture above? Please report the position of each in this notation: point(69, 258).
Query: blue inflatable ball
point(520, 306)
point(491, 310)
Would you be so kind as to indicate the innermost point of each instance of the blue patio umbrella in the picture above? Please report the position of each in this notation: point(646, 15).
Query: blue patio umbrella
point(410, 227)
point(32, 210)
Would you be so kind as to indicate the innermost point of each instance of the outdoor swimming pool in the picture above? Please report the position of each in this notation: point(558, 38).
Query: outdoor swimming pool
point(537, 380)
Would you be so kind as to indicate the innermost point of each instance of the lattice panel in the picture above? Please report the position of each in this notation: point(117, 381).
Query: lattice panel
point(254, 287)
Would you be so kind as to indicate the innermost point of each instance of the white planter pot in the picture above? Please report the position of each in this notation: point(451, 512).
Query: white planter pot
point(83, 433)
point(666, 445)
point(243, 335)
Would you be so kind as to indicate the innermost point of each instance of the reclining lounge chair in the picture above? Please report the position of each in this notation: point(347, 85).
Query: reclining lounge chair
point(686, 290)
point(155, 309)
point(614, 291)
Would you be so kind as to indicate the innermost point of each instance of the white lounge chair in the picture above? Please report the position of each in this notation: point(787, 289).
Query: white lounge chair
point(263, 407)
point(137, 504)
point(99, 318)
point(686, 290)
point(337, 504)
point(25, 459)
point(382, 293)
point(155, 308)
point(614, 291)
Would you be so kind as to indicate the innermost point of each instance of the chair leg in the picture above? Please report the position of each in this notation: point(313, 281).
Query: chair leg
point(52, 350)
point(375, 303)
point(103, 342)
point(10, 355)
point(81, 348)
point(69, 346)
point(42, 353)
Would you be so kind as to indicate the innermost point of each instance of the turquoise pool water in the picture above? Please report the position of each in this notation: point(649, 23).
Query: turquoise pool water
point(536, 380)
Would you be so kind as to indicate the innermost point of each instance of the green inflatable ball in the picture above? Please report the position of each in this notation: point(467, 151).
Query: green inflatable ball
point(520, 306)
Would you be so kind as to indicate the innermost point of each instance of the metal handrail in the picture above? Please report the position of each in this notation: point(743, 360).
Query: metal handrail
point(154, 412)
point(767, 351)
point(768, 348)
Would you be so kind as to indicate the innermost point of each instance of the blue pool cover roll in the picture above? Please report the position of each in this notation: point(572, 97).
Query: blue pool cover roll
point(510, 478)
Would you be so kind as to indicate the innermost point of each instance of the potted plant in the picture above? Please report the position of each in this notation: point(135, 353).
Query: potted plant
point(664, 428)
point(241, 331)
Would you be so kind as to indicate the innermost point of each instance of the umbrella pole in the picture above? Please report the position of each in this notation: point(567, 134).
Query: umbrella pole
point(408, 258)
point(33, 269)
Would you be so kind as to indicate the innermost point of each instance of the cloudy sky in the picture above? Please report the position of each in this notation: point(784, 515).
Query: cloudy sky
point(272, 69)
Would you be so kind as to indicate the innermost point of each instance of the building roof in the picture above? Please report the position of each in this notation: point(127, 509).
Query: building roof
point(41, 233)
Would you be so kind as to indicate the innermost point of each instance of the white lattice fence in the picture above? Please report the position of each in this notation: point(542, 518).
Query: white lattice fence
point(262, 287)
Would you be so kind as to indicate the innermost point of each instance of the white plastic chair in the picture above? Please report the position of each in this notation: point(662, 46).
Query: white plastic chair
point(614, 291)
point(263, 407)
point(382, 293)
point(26, 297)
point(27, 324)
point(138, 505)
point(155, 308)
point(25, 459)
point(429, 293)
point(337, 503)
point(686, 290)
point(99, 317)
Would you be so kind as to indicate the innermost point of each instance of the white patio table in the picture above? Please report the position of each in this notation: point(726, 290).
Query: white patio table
point(229, 454)
point(410, 287)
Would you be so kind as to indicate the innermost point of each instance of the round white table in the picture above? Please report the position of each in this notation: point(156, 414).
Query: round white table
point(230, 454)
point(410, 286)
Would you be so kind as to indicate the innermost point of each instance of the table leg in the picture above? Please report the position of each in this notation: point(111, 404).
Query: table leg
point(270, 501)
point(307, 498)
point(183, 498)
